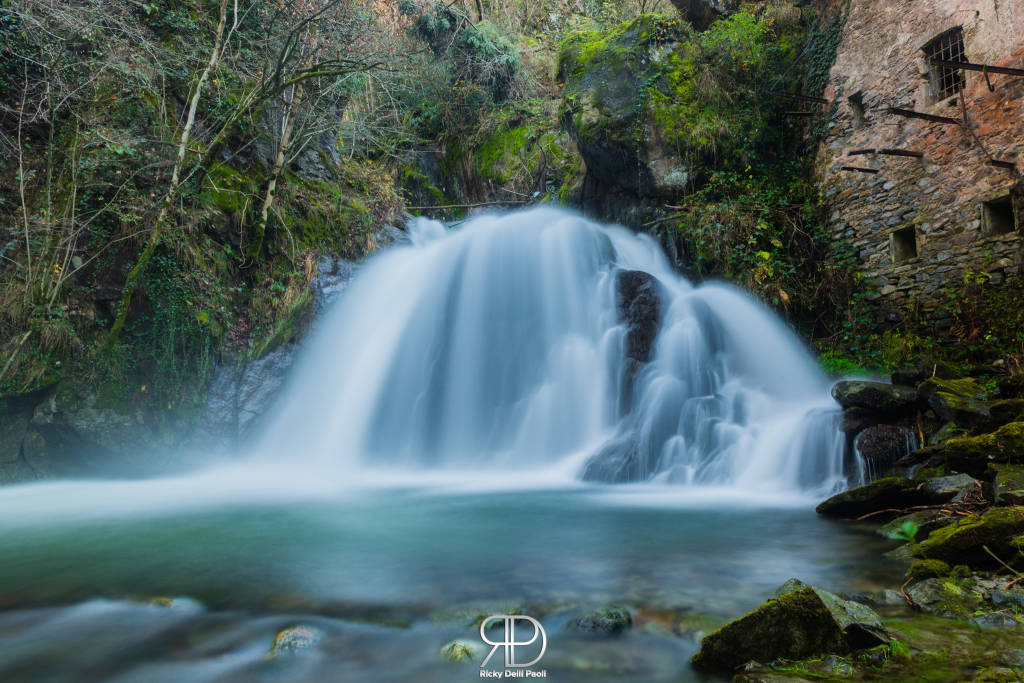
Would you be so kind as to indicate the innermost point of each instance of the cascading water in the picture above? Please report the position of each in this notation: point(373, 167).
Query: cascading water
point(500, 345)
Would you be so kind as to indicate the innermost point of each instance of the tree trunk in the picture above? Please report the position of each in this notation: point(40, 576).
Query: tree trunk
point(175, 185)
point(287, 127)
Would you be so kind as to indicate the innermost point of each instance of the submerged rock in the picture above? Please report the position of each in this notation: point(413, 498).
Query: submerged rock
point(974, 454)
point(294, 640)
point(797, 624)
point(458, 651)
point(604, 621)
point(965, 541)
point(874, 396)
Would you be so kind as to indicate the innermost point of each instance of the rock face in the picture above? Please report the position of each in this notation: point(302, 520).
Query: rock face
point(603, 83)
point(797, 624)
point(881, 446)
point(964, 541)
point(639, 305)
point(973, 455)
point(700, 13)
point(874, 396)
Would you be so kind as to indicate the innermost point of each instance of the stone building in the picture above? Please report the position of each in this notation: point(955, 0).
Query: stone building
point(922, 163)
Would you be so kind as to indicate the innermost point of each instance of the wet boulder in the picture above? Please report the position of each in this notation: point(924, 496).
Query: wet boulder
point(943, 597)
point(877, 397)
point(638, 298)
point(953, 488)
point(797, 624)
point(973, 455)
point(928, 569)
point(959, 400)
point(964, 541)
point(1004, 411)
point(883, 494)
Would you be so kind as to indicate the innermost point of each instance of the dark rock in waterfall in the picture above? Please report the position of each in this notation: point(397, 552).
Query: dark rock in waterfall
point(617, 461)
point(639, 306)
point(877, 397)
point(882, 446)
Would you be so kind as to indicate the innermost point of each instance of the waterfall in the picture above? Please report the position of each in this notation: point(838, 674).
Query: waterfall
point(500, 345)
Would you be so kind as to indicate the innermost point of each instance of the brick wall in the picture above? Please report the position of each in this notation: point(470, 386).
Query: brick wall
point(934, 204)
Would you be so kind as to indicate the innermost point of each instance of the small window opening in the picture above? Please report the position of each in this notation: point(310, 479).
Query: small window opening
point(945, 81)
point(997, 216)
point(857, 108)
point(903, 244)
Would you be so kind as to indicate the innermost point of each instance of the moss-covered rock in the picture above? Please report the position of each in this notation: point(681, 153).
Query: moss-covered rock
point(964, 541)
point(959, 400)
point(883, 494)
point(944, 597)
point(797, 624)
point(927, 521)
point(973, 455)
point(928, 569)
point(874, 396)
point(1006, 410)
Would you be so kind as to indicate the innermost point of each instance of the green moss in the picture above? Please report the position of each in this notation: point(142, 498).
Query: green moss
point(925, 569)
point(966, 388)
point(972, 455)
point(964, 541)
point(229, 190)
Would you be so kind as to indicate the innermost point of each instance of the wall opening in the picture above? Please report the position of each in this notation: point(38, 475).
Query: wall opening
point(945, 81)
point(903, 244)
point(997, 216)
point(857, 109)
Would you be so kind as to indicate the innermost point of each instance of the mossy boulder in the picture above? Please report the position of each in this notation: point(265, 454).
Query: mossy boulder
point(928, 569)
point(944, 597)
point(607, 105)
point(605, 621)
point(1005, 410)
point(964, 541)
point(883, 494)
point(927, 521)
point(973, 455)
point(959, 400)
point(874, 396)
point(797, 624)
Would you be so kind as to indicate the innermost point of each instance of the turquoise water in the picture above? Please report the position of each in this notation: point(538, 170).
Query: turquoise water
point(389, 576)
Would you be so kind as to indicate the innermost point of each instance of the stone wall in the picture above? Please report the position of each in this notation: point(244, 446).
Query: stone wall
point(932, 205)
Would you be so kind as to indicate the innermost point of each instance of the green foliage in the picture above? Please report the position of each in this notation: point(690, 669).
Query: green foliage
point(907, 531)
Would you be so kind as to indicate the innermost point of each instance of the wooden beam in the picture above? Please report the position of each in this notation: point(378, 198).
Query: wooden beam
point(859, 169)
point(984, 68)
point(911, 114)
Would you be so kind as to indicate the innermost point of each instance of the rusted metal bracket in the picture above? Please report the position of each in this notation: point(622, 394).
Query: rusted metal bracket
point(911, 114)
point(984, 68)
point(902, 153)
